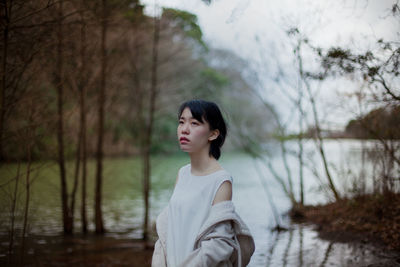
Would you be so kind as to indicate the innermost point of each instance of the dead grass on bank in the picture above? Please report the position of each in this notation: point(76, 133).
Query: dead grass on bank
point(374, 216)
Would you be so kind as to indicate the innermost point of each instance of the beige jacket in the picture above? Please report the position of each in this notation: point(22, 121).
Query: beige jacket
point(224, 240)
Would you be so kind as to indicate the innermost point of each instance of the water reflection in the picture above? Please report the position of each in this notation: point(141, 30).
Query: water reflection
point(300, 246)
point(327, 253)
point(286, 252)
point(272, 248)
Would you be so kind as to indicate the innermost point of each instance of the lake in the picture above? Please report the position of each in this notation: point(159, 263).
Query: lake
point(300, 245)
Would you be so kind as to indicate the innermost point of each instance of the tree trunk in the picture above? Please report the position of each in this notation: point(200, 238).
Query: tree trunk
point(82, 91)
point(13, 206)
point(302, 116)
point(6, 19)
point(98, 212)
point(84, 156)
point(287, 168)
point(76, 175)
point(149, 130)
point(27, 187)
point(67, 219)
point(301, 162)
point(320, 146)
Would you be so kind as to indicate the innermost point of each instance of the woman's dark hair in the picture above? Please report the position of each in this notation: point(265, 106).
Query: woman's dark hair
point(210, 112)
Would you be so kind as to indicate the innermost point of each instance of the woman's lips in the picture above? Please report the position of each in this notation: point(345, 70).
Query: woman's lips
point(183, 140)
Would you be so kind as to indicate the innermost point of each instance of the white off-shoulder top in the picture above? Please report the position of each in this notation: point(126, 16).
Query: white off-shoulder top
point(188, 209)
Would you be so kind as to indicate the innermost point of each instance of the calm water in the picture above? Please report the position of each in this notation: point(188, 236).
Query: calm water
point(299, 246)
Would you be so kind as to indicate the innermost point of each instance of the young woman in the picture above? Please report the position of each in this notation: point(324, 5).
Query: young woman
point(200, 227)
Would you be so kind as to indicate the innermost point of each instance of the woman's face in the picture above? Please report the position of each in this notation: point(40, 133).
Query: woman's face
point(194, 135)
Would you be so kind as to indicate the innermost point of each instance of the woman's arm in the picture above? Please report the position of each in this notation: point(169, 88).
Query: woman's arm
point(224, 192)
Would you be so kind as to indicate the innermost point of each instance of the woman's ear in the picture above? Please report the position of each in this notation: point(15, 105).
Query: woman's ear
point(214, 135)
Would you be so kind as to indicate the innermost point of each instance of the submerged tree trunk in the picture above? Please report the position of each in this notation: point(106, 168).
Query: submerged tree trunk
point(27, 199)
point(27, 187)
point(149, 130)
point(58, 81)
point(84, 157)
point(99, 170)
point(76, 175)
point(82, 91)
point(13, 206)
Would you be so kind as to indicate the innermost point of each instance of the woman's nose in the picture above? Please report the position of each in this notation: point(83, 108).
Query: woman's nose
point(185, 128)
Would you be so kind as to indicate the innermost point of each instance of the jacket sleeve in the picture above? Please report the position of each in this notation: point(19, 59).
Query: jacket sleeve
point(159, 257)
point(215, 247)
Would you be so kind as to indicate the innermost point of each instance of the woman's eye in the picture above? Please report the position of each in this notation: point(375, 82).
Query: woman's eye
point(180, 122)
point(195, 123)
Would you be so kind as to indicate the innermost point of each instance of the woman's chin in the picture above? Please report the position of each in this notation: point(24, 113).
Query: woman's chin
point(184, 148)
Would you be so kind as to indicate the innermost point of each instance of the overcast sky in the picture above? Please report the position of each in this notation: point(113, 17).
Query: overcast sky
point(235, 24)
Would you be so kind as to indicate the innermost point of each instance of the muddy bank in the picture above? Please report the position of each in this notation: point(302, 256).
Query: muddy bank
point(370, 224)
point(373, 218)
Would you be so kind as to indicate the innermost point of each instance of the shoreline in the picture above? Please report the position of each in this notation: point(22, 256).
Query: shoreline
point(365, 219)
point(88, 250)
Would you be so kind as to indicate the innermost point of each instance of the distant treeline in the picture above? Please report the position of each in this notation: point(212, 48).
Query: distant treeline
point(380, 123)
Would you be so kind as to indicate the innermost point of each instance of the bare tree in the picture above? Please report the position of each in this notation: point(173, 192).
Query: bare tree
point(101, 102)
point(80, 81)
point(21, 41)
point(378, 70)
point(59, 84)
point(83, 150)
point(300, 153)
point(318, 136)
point(149, 128)
point(287, 185)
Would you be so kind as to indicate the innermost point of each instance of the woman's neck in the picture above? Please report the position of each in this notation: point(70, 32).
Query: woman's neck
point(203, 164)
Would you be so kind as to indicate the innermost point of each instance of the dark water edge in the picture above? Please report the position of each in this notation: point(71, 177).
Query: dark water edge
point(78, 250)
point(345, 248)
point(289, 248)
point(304, 245)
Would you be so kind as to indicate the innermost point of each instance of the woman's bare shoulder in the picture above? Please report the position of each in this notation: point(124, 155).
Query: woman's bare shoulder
point(224, 192)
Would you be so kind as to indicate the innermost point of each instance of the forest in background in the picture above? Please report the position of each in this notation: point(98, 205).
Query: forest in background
point(88, 80)
point(183, 67)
